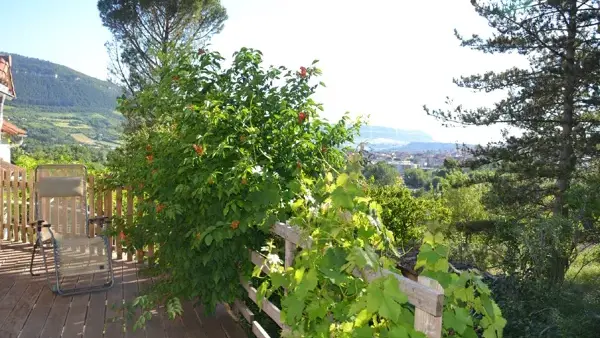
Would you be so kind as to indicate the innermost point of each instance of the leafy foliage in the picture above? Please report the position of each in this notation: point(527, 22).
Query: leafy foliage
point(219, 165)
point(328, 291)
point(141, 29)
point(406, 216)
point(382, 173)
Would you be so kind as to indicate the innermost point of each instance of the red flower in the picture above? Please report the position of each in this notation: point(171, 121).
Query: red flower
point(303, 72)
point(235, 224)
point(150, 158)
point(299, 165)
point(160, 207)
point(199, 149)
point(175, 78)
point(301, 117)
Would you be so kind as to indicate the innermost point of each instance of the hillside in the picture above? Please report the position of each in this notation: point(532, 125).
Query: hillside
point(58, 105)
point(46, 84)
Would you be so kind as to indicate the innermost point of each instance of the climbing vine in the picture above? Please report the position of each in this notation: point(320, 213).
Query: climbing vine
point(328, 292)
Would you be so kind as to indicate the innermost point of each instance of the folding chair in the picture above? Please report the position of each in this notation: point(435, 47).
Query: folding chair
point(62, 225)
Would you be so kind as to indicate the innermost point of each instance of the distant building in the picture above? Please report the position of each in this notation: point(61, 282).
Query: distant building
point(8, 131)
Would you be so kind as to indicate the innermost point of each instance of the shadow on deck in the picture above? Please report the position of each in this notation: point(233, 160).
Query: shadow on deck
point(29, 309)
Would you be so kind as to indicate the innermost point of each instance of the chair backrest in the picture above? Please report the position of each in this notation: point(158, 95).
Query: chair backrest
point(61, 198)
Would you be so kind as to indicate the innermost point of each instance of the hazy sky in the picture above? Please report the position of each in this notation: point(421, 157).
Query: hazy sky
point(383, 58)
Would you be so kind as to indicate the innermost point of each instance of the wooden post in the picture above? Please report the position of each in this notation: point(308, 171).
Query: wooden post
point(108, 211)
point(140, 252)
point(23, 186)
point(9, 204)
point(91, 204)
point(119, 216)
point(426, 322)
point(16, 214)
point(2, 224)
point(129, 220)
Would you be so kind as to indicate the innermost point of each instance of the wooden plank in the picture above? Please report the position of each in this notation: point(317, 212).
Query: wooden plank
point(9, 206)
point(29, 208)
point(94, 322)
point(130, 291)
point(37, 318)
point(425, 322)
point(129, 219)
point(92, 203)
point(16, 211)
point(267, 307)
point(258, 331)
point(155, 327)
point(114, 303)
point(58, 312)
point(11, 299)
point(194, 327)
point(2, 185)
point(16, 320)
point(242, 309)
point(229, 323)
point(23, 191)
point(108, 211)
point(119, 214)
point(74, 323)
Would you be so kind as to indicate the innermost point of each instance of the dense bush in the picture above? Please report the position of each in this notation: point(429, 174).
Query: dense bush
point(225, 154)
point(407, 216)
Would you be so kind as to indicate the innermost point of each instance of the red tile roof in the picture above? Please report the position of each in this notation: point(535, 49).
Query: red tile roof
point(11, 129)
point(6, 78)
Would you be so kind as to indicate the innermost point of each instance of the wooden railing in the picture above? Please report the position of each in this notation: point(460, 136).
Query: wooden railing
point(16, 187)
point(426, 295)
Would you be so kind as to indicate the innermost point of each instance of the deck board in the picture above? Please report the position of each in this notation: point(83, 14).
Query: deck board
point(29, 309)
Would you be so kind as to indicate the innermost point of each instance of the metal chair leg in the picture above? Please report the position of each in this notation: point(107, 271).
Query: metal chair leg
point(35, 246)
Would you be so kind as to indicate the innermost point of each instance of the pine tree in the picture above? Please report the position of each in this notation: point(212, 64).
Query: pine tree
point(554, 102)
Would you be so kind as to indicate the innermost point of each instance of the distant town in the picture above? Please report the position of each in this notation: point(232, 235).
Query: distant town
point(426, 160)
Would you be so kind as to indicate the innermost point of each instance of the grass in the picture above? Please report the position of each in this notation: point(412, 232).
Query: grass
point(67, 124)
point(82, 138)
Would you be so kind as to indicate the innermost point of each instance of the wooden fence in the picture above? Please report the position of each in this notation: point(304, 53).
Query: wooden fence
point(16, 199)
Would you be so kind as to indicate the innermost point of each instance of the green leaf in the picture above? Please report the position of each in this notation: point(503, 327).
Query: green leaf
point(363, 332)
point(398, 332)
point(340, 198)
point(277, 280)
point(208, 239)
point(293, 307)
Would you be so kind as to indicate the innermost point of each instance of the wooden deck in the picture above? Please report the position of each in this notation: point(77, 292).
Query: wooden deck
point(29, 309)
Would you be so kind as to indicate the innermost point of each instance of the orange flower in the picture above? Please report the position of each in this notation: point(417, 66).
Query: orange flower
point(243, 138)
point(235, 224)
point(301, 117)
point(148, 148)
point(150, 158)
point(211, 181)
point(160, 207)
point(175, 78)
point(244, 182)
point(302, 72)
point(199, 149)
point(299, 165)
point(323, 149)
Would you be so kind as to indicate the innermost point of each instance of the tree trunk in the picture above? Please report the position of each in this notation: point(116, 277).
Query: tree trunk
point(567, 161)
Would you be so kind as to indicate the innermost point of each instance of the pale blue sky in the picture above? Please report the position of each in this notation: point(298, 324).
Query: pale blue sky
point(385, 58)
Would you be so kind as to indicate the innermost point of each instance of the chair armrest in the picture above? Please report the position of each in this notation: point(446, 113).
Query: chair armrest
point(40, 223)
point(100, 220)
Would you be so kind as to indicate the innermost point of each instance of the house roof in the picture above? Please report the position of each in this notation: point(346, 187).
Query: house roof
point(6, 79)
point(11, 129)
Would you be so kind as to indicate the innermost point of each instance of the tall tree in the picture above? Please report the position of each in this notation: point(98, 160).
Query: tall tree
point(553, 102)
point(144, 29)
